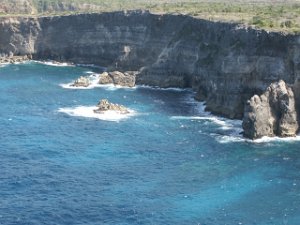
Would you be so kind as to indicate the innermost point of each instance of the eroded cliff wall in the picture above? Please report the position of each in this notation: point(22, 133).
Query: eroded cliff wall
point(226, 64)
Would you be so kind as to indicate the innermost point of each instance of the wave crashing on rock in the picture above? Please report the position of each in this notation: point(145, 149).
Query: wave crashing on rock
point(103, 111)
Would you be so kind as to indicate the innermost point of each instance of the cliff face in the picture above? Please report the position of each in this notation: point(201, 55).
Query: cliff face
point(18, 36)
point(225, 63)
point(271, 114)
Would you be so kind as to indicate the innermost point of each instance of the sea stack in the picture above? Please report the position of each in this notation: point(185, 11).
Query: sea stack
point(271, 114)
point(104, 105)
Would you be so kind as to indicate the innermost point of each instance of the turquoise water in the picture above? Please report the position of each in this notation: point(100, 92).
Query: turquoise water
point(169, 163)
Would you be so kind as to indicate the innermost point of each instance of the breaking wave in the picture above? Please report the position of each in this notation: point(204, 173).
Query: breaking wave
point(52, 63)
point(88, 112)
point(228, 130)
point(94, 79)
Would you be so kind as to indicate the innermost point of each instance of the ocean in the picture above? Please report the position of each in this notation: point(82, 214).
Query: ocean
point(167, 162)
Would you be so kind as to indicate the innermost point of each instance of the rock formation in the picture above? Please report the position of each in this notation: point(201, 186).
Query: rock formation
point(126, 79)
point(271, 114)
point(104, 105)
point(81, 82)
point(14, 59)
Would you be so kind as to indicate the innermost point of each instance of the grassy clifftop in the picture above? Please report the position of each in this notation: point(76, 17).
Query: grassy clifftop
point(280, 15)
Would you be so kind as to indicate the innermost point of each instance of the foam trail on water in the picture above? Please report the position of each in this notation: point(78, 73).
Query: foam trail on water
point(162, 89)
point(88, 112)
point(231, 129)
point(52, 63)
point(277, 139)
point(92, 66)
point(225, 124)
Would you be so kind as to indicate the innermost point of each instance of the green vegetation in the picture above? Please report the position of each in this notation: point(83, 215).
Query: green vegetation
point(277, 15)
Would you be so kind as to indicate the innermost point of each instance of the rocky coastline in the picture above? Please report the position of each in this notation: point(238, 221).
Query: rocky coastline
point(14, 59)
point(116, 78)
point(234, 69)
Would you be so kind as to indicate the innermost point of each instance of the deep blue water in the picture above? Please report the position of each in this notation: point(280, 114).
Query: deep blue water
point(170, 163)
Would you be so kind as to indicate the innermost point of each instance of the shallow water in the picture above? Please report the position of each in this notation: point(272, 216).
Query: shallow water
point(169, 163)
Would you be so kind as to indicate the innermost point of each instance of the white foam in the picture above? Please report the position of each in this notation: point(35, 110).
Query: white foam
point(229, 138)
point(163, 89)
point(263, 140)
point(276, 139)
point(14, 63)
point(94, 79)
point(235, 129)
point(4, 64)
point(53, 63)
point(225, 124)
point(91, 66)
point(69, 86)
point(88, 112)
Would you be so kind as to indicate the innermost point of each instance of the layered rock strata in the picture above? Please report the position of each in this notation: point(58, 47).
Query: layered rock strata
point(271, 114)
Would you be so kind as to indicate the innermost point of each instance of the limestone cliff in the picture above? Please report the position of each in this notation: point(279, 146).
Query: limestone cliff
point(18, 36)
point(225, 63)
point(271, 114)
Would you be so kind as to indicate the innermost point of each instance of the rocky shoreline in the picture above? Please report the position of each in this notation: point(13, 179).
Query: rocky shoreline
point(116, 78)
point(226, 64)
point(14, 59)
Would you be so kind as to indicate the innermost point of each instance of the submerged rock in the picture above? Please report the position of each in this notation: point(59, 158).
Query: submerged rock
point(104, 105)
point(126, 79)
point(81, 82)
point(271, 114)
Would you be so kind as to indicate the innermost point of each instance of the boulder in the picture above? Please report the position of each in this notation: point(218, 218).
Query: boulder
point(104, 105)
point(81, 82)
point(126, 79)
point(105, 78)
point(271, 114)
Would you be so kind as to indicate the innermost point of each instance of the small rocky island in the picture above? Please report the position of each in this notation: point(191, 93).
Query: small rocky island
point(117, 78)
point(104, 106)
point(126, 79)
point(81, 82)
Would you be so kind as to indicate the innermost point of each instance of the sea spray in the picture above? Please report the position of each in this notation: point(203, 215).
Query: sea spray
point(88, 112)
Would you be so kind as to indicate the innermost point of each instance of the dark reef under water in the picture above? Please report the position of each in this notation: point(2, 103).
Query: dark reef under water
point(169, 163)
